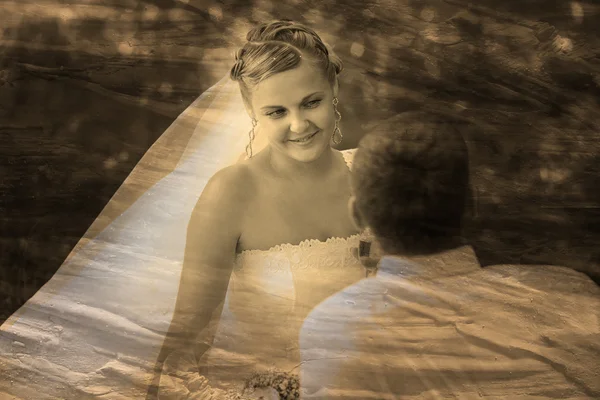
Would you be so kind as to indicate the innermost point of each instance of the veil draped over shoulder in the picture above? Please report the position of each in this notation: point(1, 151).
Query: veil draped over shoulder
point(108, 307)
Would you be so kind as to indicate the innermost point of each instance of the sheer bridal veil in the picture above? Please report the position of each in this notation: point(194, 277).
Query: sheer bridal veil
point(107, 308)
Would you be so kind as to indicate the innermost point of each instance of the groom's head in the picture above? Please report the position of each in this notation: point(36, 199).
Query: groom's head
point(410, 182)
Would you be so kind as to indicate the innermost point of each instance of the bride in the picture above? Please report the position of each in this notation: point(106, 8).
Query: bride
point(270, 237)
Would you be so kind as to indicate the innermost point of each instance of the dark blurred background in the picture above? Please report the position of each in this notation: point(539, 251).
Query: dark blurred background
point(86, 87)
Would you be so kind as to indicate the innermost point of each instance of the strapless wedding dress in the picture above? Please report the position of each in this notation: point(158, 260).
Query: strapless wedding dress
point(269, 294)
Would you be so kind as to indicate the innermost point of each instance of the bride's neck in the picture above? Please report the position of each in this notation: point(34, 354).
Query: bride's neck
point(290, 168)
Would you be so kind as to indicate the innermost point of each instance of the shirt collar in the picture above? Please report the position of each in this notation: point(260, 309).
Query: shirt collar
point(457, 261)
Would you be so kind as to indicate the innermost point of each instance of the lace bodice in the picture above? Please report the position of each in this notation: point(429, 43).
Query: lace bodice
point(298, 276)
point(308, 254)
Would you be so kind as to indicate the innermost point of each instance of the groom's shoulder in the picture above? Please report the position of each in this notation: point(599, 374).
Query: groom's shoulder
point(350, 304)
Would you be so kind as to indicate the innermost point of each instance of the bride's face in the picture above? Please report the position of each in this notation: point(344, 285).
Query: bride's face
point(294, 110)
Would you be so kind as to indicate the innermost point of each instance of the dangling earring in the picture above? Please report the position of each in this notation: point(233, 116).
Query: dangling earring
point(336, 129)
point(251, 137)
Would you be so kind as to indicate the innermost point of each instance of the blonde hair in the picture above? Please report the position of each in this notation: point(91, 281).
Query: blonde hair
point(279, 46)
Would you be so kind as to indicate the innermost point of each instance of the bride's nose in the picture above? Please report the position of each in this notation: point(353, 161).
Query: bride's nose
point(298, 123)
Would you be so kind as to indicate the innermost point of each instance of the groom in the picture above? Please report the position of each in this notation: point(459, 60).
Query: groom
point(432, 323)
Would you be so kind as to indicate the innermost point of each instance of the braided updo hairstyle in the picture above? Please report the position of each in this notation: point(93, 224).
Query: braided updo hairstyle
point(279, 46)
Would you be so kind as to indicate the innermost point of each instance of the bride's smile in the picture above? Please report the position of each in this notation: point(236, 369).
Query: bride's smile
point(304, 140)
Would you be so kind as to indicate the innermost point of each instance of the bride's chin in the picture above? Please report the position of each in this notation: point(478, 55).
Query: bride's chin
point(309, 155)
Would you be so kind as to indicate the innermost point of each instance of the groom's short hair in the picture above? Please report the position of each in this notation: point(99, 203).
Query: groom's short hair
point(411, 183)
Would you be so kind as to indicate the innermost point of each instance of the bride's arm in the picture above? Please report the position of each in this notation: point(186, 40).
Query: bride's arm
point(212, 237)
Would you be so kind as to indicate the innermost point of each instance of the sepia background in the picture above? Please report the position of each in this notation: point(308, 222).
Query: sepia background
point(87, 87)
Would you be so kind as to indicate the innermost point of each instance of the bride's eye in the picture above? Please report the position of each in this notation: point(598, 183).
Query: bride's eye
point(313, 104)
point(276, 113)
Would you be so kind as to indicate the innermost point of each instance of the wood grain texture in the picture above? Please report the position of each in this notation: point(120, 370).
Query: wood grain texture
point(87, 87)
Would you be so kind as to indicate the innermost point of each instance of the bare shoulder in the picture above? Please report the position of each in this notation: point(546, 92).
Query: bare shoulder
point(233, 180)
point(228, 190)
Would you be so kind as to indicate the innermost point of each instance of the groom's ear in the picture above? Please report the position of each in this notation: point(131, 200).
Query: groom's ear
point(355, 214)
